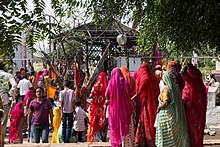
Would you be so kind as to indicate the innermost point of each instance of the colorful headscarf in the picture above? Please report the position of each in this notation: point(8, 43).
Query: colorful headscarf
point(16, 114)
point(129, 78)
point(22, 71)
point(172, 63)
point(97, 106)
point(29, 94)
point(56, 123)
point(120, 107)
point(172, 68)
point(38, 76)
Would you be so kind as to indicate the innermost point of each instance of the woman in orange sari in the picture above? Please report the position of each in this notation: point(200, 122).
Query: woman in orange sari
point(147, 88)
point(129, 139)
point(16, 125)
point(98, 121)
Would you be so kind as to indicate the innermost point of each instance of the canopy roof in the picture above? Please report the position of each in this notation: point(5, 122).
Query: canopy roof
point(102, 33)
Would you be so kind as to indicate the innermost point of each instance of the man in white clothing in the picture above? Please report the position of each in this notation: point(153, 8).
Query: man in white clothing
point(6, 79)
point(24, 85)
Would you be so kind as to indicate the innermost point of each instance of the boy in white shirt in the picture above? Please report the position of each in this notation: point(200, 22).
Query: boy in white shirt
point(79, 120)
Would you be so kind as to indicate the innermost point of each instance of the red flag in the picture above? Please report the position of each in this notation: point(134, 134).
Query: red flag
point(77, 75)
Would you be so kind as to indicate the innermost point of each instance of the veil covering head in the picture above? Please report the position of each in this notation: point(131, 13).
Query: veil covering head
point(129, 78)
point(120, 107)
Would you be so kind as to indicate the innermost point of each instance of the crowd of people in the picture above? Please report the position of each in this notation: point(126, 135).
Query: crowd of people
point(163, 106)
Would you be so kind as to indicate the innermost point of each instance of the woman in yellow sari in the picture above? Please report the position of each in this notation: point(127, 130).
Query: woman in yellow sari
point(56, 123)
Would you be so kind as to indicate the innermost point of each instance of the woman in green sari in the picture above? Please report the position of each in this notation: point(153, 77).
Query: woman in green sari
point(171, 129)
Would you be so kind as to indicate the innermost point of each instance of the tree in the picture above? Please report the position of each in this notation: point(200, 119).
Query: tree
point(188, 25)
point(11, 16)
point(16, 17)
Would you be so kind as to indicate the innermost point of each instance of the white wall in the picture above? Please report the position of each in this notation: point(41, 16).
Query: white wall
point(134, 63)
point(213, 111)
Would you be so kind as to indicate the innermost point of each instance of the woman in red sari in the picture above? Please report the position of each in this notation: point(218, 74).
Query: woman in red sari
point(195, 102)
point(97, 119)
point(147, 87)
point(17, 116)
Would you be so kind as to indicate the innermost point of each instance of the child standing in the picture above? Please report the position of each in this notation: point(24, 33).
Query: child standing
point(56, 123)
point(79, 121)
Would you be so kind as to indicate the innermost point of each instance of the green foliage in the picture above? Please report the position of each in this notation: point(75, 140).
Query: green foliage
point(11, 13)
point(178, 26)
point(16, 18)
point(184, 25)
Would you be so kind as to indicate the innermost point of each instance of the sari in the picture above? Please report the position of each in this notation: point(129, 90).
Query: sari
point(129, 139)
point(171, 125)
point(16, 124)
point(56, 123)
point(120, 108)
point(97, 110)
point(195, 102)
point(147, 87)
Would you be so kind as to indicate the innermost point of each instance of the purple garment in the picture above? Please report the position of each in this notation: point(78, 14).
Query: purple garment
point(41, 111)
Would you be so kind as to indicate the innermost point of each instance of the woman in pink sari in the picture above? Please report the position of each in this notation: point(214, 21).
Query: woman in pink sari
point(120, 107)
point(17, 116)
point(195, 102)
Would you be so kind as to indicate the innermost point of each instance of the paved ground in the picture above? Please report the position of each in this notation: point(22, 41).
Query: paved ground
point(209, 141)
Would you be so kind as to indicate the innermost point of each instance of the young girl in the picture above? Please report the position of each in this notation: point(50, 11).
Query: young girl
point(56, 123)
point(17, 116)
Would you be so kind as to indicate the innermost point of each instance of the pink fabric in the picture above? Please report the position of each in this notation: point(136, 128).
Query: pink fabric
point(44, 72)
point(195, 103)
point(16, 114)
point(29, 94)
point(134, 75)
point(39, 74)
point(120, 107)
